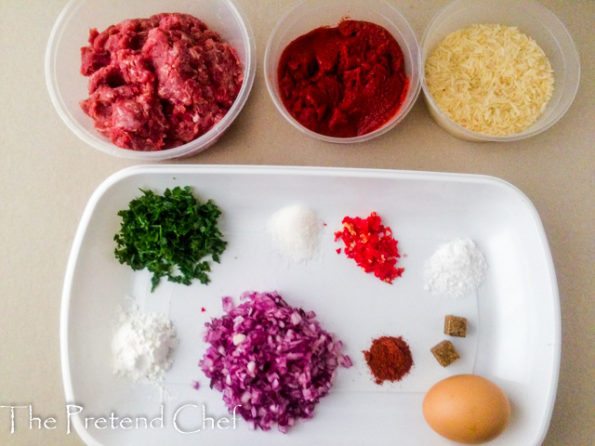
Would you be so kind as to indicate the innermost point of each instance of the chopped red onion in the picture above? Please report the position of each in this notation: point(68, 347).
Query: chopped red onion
point(272, 359)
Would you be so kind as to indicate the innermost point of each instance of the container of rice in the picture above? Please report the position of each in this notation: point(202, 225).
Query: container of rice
point(498, 71)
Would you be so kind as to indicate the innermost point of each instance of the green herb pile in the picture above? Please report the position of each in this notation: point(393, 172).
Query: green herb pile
point(170, 235)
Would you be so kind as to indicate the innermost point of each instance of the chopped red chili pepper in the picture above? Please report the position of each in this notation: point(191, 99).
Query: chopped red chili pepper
point(371, 245)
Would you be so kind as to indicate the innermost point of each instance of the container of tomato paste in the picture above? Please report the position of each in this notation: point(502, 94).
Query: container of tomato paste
point(343, 71)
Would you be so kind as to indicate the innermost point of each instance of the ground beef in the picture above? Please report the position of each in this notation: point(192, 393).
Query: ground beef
point(160, 82)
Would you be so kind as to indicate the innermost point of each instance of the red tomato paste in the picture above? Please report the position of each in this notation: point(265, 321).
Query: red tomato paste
point(343, 81)
point(160, 82)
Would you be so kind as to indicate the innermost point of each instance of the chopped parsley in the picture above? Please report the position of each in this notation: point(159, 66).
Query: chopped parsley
point(171, 235)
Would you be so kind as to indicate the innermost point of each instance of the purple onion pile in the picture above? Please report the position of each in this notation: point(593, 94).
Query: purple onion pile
point(272, 359)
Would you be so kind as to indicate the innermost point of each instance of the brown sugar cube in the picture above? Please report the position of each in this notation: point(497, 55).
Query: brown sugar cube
point(455, 326)
point(445, 353)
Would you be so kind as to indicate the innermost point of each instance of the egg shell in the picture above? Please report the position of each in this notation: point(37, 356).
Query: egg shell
point(467, 409)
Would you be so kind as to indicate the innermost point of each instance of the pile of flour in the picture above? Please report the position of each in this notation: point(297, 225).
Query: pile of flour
point(456, 269)
point(142, 346)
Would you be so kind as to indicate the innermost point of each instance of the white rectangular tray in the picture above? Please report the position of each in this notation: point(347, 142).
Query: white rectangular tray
point(514, 320)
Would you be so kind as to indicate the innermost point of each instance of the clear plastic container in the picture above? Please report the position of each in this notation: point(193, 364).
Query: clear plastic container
point(532, 19)
point(67, 86)
point(311, 14)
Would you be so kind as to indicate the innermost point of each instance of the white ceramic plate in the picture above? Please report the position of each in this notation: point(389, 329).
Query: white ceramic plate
point(514, 321)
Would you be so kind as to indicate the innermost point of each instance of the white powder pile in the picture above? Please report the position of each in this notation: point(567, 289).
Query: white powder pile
point(456, 269)
point(142, 346)
point(295, 230)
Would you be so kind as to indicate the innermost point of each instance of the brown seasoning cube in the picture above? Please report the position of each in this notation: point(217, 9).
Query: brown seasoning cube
point(445, 353)
point(455, 326)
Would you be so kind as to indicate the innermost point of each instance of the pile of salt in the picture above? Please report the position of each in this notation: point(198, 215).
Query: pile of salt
point(295, 230)
point(456, 269)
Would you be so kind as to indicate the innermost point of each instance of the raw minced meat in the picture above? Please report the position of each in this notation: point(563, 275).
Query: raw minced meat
point(160, 82)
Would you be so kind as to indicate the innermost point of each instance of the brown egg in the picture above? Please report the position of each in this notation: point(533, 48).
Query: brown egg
point(466, 408)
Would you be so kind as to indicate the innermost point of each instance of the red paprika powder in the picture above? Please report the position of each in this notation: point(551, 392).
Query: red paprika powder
point(389, 359)
point(343, 81)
